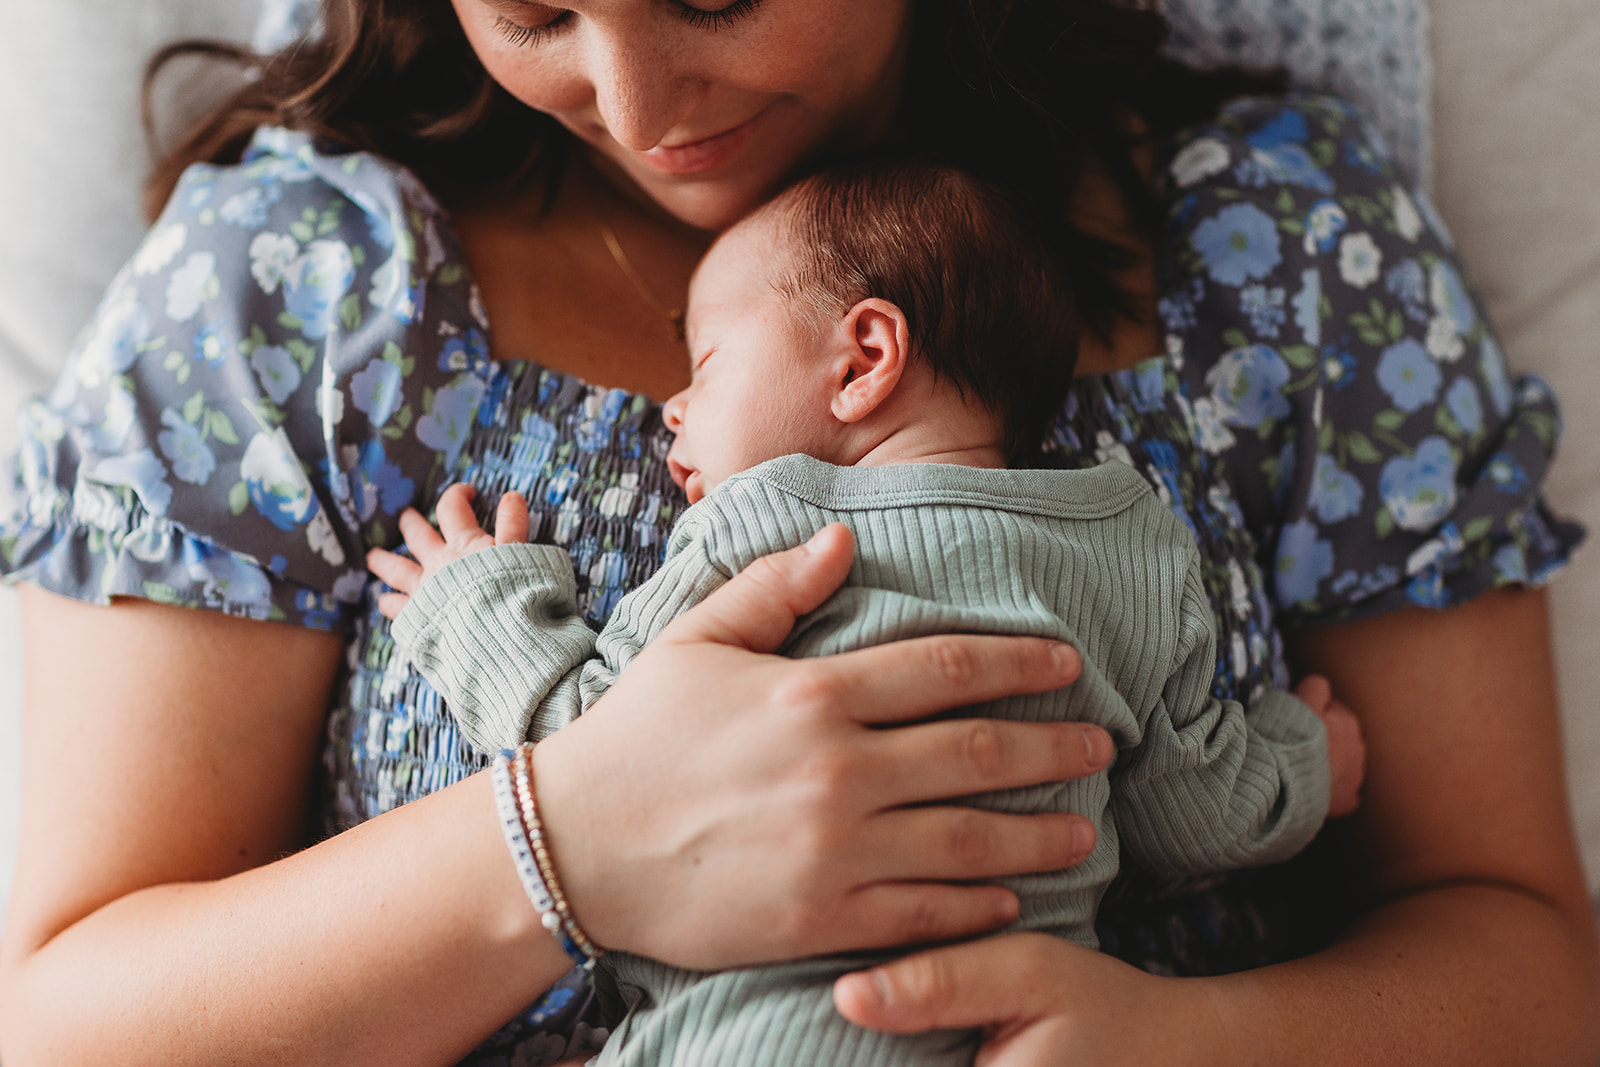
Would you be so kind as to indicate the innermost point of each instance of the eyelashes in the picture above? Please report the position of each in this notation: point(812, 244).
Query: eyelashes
point(711, 21)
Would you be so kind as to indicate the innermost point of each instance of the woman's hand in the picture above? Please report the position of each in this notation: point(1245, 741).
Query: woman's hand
point(1040, 1001)
point(720, 807)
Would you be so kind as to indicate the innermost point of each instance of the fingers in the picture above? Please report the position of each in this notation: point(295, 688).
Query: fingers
point(1316, 692)
point(511, 519)
point(993, 982)
point(916, 678)
point(960, 757)
point(401, 574)
point(759, 605)
point(950, 843)
point(422, 539)
point(392, 604)
point(457, 522)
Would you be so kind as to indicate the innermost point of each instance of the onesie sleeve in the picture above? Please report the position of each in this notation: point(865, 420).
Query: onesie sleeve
point(1339, 365)
point(498, 635)
point(1213, 786)
point(293, 355)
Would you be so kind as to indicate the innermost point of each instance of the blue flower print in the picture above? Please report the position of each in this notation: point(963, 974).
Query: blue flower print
point(277, 371)
point(191, 458)
point(1288, 164)
point(1427, 589)
point(1450, 297)
point(1358, 155)
point(1492, 363)
point(1335, 493)
point(1177, 307)
point(469, 352)
point(1510, 564)
point(1286, 127)
point(1505, 474)
point(549, 1006)
point(455, 408)
point(375, 390)
point(1264, 307)
point(276, 482)
point(1303, 561)
point(116, 420)
point(1462, 400)
point(1239, 244)
point(208, 346)
point(1324, 224)
point(1247, 386)
point(317, 610)
point(249, 208)
point(1407, 374)
point(1308, 307)
point(113, 343)
point(141, 472)
point(226, 580)
point(1146, 384)
point(1408, 282)
point(1420, 490)
point(377, 483)
point(314, 284)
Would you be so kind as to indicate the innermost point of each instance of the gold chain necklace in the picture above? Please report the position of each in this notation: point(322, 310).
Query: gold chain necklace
point(674, 316)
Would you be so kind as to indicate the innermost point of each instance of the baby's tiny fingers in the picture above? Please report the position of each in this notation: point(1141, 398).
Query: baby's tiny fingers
point(456, 521)
point(399, 573)
point(391, 604)
point(511, 519)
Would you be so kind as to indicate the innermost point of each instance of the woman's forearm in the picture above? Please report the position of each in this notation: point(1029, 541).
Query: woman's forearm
point(158, 916)
point(1449, 976)
point(403, 941)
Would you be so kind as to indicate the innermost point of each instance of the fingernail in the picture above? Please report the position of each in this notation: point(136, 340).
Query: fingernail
point(1064, 656)
point(1096, 748)
point(1083, 838)
point(882, 991)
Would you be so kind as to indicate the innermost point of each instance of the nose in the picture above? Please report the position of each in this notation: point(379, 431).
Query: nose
point(641, 88)
point(672, 410)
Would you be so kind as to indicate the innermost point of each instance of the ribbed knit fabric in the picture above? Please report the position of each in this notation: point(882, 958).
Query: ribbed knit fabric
point(1091, 557)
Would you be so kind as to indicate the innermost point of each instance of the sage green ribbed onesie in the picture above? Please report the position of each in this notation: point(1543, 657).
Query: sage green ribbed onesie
point(1091, 557)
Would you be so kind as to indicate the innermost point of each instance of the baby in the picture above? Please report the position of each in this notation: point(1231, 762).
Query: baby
point(874, 347)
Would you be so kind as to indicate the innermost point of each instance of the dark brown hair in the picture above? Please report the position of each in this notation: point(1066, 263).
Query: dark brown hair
point(1025, 94)
point(986, 305)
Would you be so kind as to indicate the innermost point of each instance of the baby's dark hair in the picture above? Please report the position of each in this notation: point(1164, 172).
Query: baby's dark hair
point(986, 305)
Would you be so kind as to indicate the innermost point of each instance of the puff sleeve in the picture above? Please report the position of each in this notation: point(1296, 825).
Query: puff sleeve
point(1338, 364)
point(293, 355)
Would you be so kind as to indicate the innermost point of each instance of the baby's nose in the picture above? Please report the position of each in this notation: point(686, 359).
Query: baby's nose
point(672, 410)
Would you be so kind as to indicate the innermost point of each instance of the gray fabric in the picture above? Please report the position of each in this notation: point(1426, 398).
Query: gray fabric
point(1091, 557)
point(1373, 53)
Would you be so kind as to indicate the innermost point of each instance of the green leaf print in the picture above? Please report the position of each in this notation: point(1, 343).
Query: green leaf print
point(1323, 153)
point(1234, 337)
point(450, 273)
point(161, 593)
point(221, 427)
point(1390, 420)
point(238, 498)
point(350, 311)
point(288, 321)
point(193, 407)
point(1477, 529)
point(304, 353)
point(1284, 205)
point(1384, 522)
point(1446, 422)
point(1298, 356)
point(1361, 448)
point(174, 360)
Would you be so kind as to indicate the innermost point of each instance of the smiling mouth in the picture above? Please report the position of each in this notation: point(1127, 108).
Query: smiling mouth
point(702, 155)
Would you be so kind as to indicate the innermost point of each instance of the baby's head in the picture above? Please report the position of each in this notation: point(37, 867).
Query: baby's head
point(883, 312)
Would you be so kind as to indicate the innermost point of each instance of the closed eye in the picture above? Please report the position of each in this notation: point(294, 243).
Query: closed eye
point(544, 21)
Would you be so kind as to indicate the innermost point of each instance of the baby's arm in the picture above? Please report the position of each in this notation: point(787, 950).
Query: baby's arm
point(491, 622)
point(1213, 786)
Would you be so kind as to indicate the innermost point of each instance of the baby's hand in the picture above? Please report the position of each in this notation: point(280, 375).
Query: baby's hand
point(1347, 752)
point(462, 537)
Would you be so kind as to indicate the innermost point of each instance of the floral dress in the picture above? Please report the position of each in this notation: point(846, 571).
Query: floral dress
point(297, 352)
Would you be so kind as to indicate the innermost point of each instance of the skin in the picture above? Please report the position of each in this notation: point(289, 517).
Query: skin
point(151, 922)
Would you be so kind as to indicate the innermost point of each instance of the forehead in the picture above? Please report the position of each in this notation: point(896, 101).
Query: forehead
point(740, 262)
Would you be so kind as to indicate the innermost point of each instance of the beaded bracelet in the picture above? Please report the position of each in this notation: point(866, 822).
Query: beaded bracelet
point(529, 870)
point(559, 920)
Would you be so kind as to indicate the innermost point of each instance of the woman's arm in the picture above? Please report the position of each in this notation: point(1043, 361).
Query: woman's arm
point(168, 766)
point(1479, 947)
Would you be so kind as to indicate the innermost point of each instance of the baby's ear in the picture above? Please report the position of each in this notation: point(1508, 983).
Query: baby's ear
point(875, 344)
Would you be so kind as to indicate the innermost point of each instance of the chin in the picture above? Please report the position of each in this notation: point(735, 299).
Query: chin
point(712, 206)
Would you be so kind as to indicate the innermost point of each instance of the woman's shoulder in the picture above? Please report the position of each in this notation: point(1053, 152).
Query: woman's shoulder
point(292, 355)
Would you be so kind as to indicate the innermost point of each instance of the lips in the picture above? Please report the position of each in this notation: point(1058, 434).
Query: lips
point(699, 156)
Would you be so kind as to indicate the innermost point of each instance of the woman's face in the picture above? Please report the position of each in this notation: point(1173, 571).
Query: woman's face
point(708, 105)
